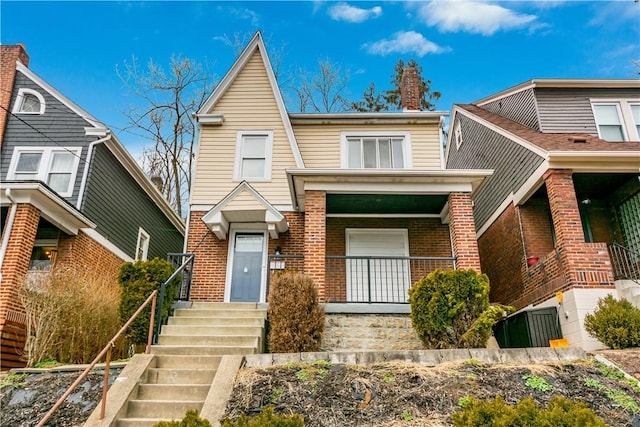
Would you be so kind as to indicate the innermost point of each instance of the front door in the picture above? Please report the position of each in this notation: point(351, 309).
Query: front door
point(246, 274)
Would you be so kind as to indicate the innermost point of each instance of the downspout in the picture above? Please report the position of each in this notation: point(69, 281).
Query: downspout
point(7, 230)
point(87, 162)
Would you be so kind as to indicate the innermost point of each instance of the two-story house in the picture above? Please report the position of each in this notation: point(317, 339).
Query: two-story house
point(360, 202)
point(566, 157)
point(71, 195)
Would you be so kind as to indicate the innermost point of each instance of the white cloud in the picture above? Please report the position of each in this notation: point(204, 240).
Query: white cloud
point(404, 42)
point(471, 16)
point(345, 12)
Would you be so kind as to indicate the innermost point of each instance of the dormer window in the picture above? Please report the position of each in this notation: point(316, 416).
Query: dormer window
point(617, 120)
point(28, 101)
point(376, 151)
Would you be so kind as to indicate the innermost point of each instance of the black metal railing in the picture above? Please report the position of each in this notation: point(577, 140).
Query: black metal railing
point(177, 259)
point(625, 263)
point(187, 261)
point(279, 262)
point(369, 279)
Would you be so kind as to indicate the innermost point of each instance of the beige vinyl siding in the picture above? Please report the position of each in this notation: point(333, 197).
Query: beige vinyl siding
point(320, 144)
point(244, 201)
point(248, 104)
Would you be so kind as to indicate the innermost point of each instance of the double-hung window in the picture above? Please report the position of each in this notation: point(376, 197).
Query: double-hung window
point(253, 156)
point(617, 120)
point(382, 151)
point(57, 167)
point(142, 246)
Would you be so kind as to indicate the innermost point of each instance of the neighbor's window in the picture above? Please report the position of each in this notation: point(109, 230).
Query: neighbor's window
point(618, 120)
point(142, 247)
point(28, 101)
point(253, 156)
point(375, 152)
point(56, 167)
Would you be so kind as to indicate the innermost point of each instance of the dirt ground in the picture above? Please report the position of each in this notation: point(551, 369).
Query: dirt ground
point(400, 394)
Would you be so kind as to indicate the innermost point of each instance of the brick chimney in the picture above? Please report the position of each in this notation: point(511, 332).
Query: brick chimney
point(9, 54)
point(410, 90)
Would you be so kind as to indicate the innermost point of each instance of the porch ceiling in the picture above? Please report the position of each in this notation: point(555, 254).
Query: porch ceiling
point(385, 204)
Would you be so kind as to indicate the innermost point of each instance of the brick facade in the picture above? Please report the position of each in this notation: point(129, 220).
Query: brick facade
point(81, 252)
point(463, 231)
point(9, 54)
point(315, 238)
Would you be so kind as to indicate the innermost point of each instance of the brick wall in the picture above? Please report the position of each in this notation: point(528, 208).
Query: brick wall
point(9, 54)
point(315, 238)
point(535, 221)
point(83, 253)
point(14, 270)
point(410, 89)
point(463, 231)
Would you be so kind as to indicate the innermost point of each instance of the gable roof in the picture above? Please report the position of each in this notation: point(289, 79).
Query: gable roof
point(258, 209)
point(256, 43)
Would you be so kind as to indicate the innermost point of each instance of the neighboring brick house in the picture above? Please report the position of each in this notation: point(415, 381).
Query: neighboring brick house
point(71, 195)
point(566, 157)
point(358, 201)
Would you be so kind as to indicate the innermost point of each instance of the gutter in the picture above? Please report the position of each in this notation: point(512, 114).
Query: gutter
point(7, 231)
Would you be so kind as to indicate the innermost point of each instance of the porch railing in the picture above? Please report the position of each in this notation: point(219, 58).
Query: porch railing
point(625, 263)
point(381, 280)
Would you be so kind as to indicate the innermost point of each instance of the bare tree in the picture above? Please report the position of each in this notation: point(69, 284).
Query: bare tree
point(324, 91)
point(164, 115)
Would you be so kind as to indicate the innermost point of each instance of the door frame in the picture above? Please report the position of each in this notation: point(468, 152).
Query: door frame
point(246, 229)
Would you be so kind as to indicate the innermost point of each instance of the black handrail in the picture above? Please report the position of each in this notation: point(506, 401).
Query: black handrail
point(163, 289)
point(625, 262)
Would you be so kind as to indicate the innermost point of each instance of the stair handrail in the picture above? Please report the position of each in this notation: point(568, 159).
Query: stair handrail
point(107, 350)
point(163, 288)
point(626, 262)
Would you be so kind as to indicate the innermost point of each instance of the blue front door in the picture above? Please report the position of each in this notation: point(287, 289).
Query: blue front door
point(246, 275)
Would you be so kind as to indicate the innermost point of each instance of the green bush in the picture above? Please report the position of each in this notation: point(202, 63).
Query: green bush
point(191, 419)
point(446, 304)
point(482, 328)
point(296, 319)
point(615, 323)
point(266, 419)
point(137, 281)
point(496, 413)
point(71, 315)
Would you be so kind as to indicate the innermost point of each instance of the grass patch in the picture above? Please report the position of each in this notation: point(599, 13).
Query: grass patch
point(537, 383)
point(15, 380)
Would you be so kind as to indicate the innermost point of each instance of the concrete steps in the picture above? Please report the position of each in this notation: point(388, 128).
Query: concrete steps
point(629, 290)
point(187, 357)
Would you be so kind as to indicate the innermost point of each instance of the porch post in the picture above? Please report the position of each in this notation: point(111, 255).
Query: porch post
point(463, 231)
point(564, 207)
point(315, 237)
point(14, 270)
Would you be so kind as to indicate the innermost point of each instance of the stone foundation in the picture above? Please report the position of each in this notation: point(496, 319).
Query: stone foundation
point(363, 332)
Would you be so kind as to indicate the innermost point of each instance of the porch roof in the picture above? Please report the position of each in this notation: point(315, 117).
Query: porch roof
point(52, 207)
point(367, 182)
point(244, 204)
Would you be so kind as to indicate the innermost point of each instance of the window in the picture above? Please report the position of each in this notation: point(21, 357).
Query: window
point(142, 247)
point(28, 101)
point(375, 151)
point(458, 134)
point(253, 156)
point(56, 167)
point(617, 120)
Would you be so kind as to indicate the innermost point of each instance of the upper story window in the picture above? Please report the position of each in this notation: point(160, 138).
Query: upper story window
point(28, 101)
point(617, 120)
point(375, 151)
point(142, 247)
point(56, 167)
point(253, 156)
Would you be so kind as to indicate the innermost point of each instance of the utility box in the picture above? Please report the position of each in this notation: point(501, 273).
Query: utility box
point(529, 328)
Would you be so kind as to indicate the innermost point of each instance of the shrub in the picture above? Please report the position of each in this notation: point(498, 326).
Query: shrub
point(559, 412)
point(295, 316)
point(445, 305)
point(71, 316)
point(482, 328)
point(138, 280)
point(266, 419)
point(191, 419)
point(616, 323)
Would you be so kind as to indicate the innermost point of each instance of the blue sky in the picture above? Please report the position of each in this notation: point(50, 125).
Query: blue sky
point(469, 49)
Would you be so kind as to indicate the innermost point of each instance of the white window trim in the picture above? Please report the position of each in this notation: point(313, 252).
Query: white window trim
point(457, 134)
point(145, 248)
point(237, 174)
point(45, 163)
point(17, 106)
point(623, 105)
point(406, 147)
